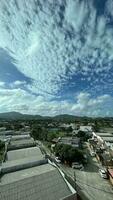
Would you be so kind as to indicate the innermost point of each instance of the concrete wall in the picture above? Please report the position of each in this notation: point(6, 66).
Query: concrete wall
point(20, 166)
point(70, 197)
point(20, 146)
point(20, 137)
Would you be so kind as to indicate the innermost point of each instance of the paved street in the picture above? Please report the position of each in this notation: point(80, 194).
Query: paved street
point(93, 186)
point(89, 180)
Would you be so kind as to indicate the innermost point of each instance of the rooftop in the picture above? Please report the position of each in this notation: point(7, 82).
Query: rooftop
point(36, 183)
point(108, 139)
point(24, 153)
point(107, 129)
point(23, 158)
point(21, 143)
point(70, 141)
point(86, 128)
point(104, 134)
point(20, 137)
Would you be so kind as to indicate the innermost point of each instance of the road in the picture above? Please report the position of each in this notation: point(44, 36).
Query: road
point(93, 186)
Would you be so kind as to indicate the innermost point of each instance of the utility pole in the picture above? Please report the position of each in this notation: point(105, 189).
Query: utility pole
point(74, 180)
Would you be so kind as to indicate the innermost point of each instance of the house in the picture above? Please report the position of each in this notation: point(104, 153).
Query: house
point(73, 141)
point(86, 129)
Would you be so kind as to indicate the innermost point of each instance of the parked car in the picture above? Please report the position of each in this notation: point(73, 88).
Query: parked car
point(57, 160)
point(103, 173)
point(92, 153)
point(76, 165)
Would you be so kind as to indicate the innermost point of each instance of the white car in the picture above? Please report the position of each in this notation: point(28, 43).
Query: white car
point(57, 160)
point(92, 153)
point(103, 173)
point(76, 165)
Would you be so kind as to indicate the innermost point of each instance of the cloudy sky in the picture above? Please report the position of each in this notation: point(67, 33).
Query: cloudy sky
point(56, 57)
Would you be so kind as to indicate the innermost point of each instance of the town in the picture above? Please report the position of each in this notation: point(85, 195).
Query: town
point(63, 158)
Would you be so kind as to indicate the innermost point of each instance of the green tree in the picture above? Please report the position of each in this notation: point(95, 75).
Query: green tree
point(51, 136)
point(83, 135)
point(39, 133)
point(2, 145)
point(68, 153)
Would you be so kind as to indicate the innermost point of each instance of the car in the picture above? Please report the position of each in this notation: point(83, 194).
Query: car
point(76, 165)
point(57, 160)
point(103, 173)
point(92, 153)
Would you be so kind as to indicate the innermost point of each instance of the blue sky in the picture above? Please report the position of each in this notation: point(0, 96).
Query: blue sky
point(56, 57)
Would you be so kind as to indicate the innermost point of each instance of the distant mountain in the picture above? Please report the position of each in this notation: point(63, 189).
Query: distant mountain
point(18, 116)
point(64, 117)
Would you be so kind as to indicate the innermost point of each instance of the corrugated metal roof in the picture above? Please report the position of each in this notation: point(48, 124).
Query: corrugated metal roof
point(37, 183)
point(24, 153)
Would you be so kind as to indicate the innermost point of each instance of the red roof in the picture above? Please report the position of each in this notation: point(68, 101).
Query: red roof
point(110, 172)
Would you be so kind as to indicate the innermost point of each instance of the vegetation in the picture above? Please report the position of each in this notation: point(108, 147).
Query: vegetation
point(83, 136)
point(2, 146)
point(42, 133)
point(38, 132)
point(68, 154)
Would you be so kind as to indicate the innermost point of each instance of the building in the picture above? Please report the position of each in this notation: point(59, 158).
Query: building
point(22, 159)
point(21, 143)
point(40, 182)
point(20, 137)
point(73, 141)
point(27, 175)
point(87, 129)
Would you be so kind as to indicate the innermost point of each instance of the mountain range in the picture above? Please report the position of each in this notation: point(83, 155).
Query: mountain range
point(20, 116)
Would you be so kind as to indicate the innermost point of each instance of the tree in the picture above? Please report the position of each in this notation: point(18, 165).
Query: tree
point(51, 136)
point(84, 136)
point(39, 133)
point(2, 145)
point(68, 153)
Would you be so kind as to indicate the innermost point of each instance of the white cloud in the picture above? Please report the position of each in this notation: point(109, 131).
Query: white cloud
point(17, 83)
point(43, 39)
point(2, 84)
point(83, 105)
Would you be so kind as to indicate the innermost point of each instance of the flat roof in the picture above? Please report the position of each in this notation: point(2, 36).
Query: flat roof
point(24, 153)
point(19, 137)
point(69, 140)
point(25, 173)
point(36, 183)
point(107, 129)
point(18, 159)
point(104, 134)
point(108, 139)
point(24, 141)
point(14, 163)
point(86, 128)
